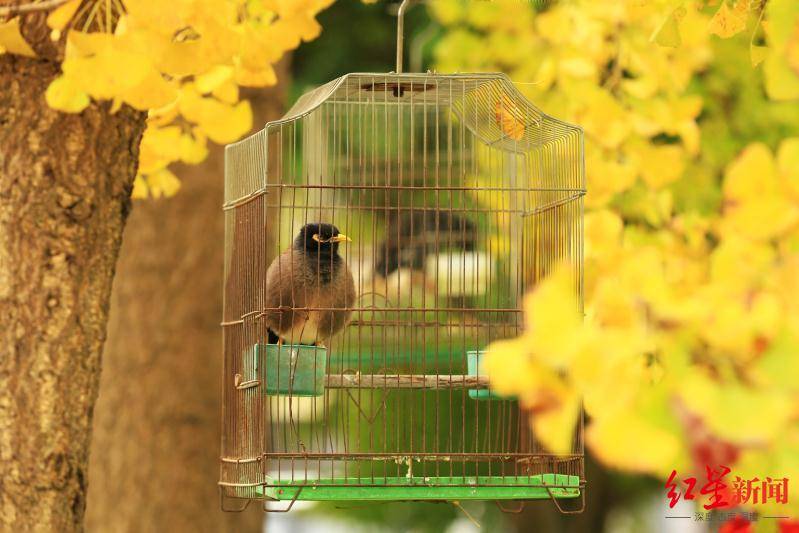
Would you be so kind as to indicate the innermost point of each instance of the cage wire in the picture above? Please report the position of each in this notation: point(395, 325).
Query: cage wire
point(459, 196)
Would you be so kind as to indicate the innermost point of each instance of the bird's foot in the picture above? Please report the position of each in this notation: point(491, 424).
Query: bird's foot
point(280, 342)
point(320, 344)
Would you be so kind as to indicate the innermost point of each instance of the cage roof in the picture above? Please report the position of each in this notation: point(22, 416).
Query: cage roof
point(489, 104)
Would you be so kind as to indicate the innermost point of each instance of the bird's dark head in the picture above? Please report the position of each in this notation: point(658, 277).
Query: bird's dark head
point(320, 238)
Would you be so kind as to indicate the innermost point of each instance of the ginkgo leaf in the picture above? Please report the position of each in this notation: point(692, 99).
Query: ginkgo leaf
point(552, 321)
point(162, 183)
point(751, 174)
point(213, 78)
point(735, 412)
point(139, 188)
point(222, 123)
point(12, 41)
point(508, 118)
point(757, 54)
point(159, 147)
point(788, 165)
point(255, 78)
point(60, 17)
point(152, 92)
point(193, 148)
point(183, 58)
point(63, 94)
point(554, 427)
point(227, 92)
point(108, 73)
point(669, 32)
point(729, 21)
point(782, 83)
point(618, 440)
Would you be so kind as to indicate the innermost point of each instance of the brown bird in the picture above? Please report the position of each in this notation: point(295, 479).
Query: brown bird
point(309, 288)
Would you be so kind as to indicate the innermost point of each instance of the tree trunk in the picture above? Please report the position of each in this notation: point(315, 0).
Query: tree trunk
point(155, 453)
point(65, 183)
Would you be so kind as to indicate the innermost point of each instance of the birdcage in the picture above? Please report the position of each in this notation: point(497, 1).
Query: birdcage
point(459, 195)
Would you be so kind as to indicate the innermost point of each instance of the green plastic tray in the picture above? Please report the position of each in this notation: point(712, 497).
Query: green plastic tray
point(536, 487)
point(290, 369)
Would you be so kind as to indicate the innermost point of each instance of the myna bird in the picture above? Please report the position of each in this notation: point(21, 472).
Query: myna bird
point(310, 274)
point(413, 235)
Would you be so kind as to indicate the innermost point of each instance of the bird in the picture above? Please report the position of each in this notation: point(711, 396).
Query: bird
point(310, 290)
point(412, 236)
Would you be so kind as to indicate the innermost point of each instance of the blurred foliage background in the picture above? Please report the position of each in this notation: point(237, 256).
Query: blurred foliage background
point(687, 354)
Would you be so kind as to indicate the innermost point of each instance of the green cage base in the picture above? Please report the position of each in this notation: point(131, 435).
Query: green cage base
point(537, 487)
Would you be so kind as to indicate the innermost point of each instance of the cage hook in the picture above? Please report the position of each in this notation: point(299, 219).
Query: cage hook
point(510, 510)
point(291, 503)
point(561, 510)
point(223, 498)
point(401, 29)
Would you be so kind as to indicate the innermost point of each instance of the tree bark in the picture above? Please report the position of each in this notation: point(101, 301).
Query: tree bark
point(155, 453)
point(65, 183)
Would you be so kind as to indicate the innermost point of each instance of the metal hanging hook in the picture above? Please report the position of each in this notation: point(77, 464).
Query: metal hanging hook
point(401, 29)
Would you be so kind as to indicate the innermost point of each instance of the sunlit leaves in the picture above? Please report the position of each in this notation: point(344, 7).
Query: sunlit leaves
point(63, 94)
point(729, 21)
point(756, 194)
point(781, 69)
point(691, 280)
point(182, 61)
point(62, 15)
point(507, 117)
point(12, 41)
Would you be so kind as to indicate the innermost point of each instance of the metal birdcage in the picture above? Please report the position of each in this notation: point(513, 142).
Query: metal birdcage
point(459, 195)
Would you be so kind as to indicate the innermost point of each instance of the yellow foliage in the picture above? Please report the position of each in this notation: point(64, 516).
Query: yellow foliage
point(12, 41)
point(690, 312)
point(64, 95)
point(183, 61)
point(729, 21)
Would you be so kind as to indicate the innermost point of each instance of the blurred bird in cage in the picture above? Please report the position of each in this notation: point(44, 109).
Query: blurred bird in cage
point(434, 251)
point(310, 290)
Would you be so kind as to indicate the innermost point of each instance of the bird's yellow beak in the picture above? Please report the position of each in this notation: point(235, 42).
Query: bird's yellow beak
point(340, 238)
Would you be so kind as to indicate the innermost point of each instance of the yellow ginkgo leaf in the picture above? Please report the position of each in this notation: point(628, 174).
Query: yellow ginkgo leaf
point(734, 412)
point(554, 427)
point(668, 34)
point(255, 78)
point(159, 148)
point(152, 92)
point(729, 21)
point(659, 165)
point(618, 439)
point(788, 164)
point(139, 188)
point(63, 94)
point(508, 118)
point(60, 17)
point(163, 183)
point(193, 148)
point(552, 319)
point(183, 58)
point(757, 54)
point(750, 175)
point(12, 41)
point(508, 364)
point(781, 81)
point(213, 78)
point(221, 122)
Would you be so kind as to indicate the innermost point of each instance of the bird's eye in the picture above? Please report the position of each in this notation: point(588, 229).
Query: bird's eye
point(316, 237)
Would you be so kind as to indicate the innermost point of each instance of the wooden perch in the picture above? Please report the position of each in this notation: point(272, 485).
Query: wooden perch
point(405, 381)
